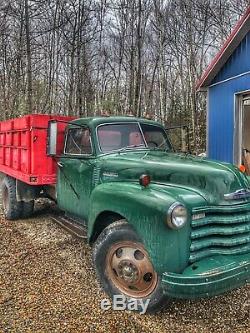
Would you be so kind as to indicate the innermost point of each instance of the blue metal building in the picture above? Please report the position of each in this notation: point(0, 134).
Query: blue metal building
point(227, 82)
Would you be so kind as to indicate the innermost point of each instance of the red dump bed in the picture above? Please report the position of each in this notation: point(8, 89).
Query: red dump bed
point(23, 144)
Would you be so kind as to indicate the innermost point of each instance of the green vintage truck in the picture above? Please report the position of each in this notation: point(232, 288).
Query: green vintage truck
point(162, 224)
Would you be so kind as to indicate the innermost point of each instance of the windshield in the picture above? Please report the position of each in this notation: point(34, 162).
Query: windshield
point(156, 137)
point(118, 136)
point(124, 136)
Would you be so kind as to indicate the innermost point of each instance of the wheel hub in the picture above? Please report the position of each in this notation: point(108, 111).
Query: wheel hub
point(127, 271)
point(130, 269)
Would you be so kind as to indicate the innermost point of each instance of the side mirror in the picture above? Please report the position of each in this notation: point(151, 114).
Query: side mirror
point(52, 138)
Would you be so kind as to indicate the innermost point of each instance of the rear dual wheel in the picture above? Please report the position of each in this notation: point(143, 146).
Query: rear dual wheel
point(14, 209)
point(123, 266)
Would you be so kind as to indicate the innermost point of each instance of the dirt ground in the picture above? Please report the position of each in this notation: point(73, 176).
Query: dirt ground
point(47, 284)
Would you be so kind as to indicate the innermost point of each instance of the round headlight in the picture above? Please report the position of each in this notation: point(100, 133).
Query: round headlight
point(177, 216)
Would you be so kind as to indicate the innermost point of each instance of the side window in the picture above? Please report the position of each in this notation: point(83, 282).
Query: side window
point(78, 142)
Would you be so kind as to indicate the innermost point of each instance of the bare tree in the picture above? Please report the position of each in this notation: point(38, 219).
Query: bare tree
point(86, 57)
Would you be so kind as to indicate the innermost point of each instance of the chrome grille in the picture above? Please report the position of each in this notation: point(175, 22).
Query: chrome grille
point(220, 233)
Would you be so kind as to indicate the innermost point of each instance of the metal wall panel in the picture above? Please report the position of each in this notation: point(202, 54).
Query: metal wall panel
point(221, 124)
point(238, 63)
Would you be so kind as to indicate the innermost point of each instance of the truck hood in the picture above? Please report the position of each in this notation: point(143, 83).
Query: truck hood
point(210, 179)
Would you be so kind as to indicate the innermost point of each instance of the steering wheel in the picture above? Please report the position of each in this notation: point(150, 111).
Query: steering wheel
point(152, 144)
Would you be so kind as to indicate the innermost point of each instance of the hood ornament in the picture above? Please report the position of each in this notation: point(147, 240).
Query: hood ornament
point(239, 194)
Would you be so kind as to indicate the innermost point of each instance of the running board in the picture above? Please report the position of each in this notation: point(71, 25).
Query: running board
point(71, 225)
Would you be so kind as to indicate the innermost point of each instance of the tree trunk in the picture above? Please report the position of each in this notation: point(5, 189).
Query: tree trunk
point(28, 55)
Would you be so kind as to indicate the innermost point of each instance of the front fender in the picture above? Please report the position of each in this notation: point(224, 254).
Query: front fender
point(146, 209)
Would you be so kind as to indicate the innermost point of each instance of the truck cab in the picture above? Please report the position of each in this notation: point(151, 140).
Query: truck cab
point(161, 224)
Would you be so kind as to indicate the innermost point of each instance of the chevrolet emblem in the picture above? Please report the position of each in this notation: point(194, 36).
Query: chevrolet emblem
point(239, 194)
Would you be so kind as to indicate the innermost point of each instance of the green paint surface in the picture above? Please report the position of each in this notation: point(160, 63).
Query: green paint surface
point(110, 183)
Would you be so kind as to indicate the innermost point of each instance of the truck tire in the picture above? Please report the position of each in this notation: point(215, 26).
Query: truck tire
point(11, 207)
point(27, 208)
point(123, 266)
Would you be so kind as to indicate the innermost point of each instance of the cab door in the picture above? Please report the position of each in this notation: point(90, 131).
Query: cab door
point(75, 170)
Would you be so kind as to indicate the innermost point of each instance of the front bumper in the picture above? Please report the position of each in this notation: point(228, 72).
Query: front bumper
point(208, 277)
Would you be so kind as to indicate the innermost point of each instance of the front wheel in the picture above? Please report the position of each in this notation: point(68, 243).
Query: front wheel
point(123, 267)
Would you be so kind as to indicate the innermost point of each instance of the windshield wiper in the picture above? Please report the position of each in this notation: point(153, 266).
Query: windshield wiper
point(131, 146)
point(119, 150)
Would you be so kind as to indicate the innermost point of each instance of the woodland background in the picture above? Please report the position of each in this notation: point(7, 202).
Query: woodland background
point(89, 57)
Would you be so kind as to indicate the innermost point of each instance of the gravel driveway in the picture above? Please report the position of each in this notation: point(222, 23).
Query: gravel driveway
point(47, 284)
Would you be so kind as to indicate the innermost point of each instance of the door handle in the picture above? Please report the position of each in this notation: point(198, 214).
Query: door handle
point(60, 164)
